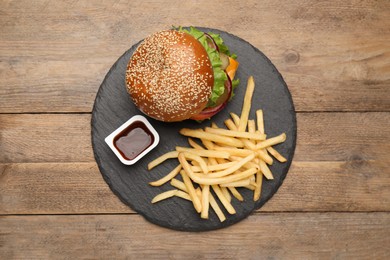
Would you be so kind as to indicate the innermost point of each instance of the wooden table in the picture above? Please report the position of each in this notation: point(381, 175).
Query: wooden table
point(335, 59)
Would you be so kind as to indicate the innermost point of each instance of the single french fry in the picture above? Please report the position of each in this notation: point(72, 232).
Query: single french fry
point(205, 202)
point(230, 125)
point(214, 167)
point(236, 118)
point(252, 126)
point(208, 144)
point(214, 125)
point(199, 194)
point(249, 145)
point(167, 177)
point(179, 185)
point(236, 194)
point(232, 168)
point(260, 121)
point(259, 182)
point(198, 159)
point(182, 189)
point(237, 134)
point(226, 193)
point(263, 155)
point(265, 170)
point(271, 141)
point(276, 154)
point(162, 158)
point(250, 187)
point(234, 151)
point(194, 144)
point(164, 195)
point(211, 137)
point(223, 199)
point(204, 179)
point(204, 153)
point(212, 161)
point(183, 195)
point(221, 160)
point(187, 181)
point(249, 164)
point(214, 205)
point(246, 107)
point(241, 183)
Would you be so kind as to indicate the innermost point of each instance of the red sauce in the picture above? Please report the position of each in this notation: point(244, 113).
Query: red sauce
point(133, 140)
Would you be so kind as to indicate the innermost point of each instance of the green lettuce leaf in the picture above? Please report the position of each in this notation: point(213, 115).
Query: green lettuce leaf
point(219, 75)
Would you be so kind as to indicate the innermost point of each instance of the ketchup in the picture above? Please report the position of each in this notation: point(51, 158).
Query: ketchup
point(133, 140)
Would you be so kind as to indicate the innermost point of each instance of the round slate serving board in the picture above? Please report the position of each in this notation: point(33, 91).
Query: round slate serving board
point(113, 107)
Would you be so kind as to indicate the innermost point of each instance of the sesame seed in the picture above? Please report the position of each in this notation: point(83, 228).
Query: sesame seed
point(165, 78)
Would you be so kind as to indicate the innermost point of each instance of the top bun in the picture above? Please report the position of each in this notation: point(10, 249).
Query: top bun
point(170, 76)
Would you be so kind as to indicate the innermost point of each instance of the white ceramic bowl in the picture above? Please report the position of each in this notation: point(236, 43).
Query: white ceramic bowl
point(138, 118)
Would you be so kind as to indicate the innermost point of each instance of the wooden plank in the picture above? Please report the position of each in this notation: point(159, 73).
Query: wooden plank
point(288, 235)
point(78, 188)
point(55, 188)
point(45, 138)
point(54, 56)
point(356, 137)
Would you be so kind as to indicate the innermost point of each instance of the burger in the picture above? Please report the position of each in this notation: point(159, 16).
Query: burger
point(180, 74)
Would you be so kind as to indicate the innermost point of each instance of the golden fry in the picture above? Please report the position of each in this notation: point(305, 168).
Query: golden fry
point(164, 195)
point(241, 183)
point(252, 126)
point(232, 133)
point(183, 195)
point(204, 179)
point(204, 153)
point(179, 185)
point(194, 144)
point(226, 193)
point(205, 202)
point(167, 177)
point(214, 167)
point(162, 158)
point(265, 157)
point(228, 206)
point(214, 205)
point(211, 137)
point(259, 182)
point(260, 121)
point(231, 169)
point(276, 154)
point(247, 104)
point(198, 159)
point(230, 125)
point(236, 194)
point(234, 151)
point(187, 181)
point(266, 171)
point(236, 119)
point(271, 141)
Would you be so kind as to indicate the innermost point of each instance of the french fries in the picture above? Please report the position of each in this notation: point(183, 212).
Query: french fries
point(226, 161)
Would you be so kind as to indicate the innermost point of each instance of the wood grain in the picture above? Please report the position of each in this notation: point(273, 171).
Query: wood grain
point(78, 188)
point(54, 57)
point(288, 235)
point(334, 56)
point(356, 137)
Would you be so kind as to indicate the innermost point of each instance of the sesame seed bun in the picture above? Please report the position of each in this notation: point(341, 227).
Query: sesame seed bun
point(169, 76)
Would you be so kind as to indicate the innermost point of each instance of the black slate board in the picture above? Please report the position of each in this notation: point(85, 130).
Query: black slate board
point(113, 107)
